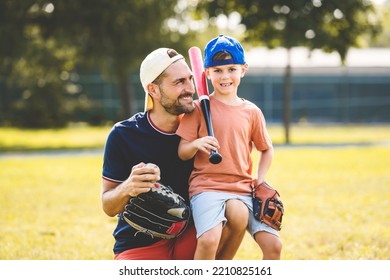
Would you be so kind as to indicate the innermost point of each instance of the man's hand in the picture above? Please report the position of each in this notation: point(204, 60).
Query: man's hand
point(141, 178)
point(116, 195)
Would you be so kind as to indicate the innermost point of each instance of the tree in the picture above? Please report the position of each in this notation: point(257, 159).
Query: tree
point(383, 39)
point(111, 36)
point(31, 65)
point(329, 25)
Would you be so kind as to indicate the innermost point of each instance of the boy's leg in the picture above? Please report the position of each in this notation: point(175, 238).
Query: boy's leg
point(208, 210)
point(270, 245)
point(207, 244)
point(266, 237)
point(233, 232)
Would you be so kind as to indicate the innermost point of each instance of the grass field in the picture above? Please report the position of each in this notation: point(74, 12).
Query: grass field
point(337, 198)
point(84, 137)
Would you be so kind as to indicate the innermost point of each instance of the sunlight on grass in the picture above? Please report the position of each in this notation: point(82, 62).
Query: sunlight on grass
point(51, 209)
point(337, 205)
point(326, 134)
point(85, 137)
point(82, 137)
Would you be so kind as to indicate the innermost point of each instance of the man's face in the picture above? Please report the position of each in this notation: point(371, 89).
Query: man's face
point(177, 89)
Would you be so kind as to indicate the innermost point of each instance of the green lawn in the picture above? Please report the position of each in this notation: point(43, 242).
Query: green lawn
point(337, 199)
point(76, 137)
point(85, 137)
point(337, 203)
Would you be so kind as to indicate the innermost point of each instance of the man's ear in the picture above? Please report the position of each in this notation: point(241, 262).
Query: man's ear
point(153, 90)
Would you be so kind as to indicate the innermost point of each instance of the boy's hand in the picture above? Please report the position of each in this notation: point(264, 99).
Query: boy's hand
point(206, 144)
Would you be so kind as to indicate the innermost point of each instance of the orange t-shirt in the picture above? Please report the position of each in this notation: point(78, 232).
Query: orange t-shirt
point(237, 129)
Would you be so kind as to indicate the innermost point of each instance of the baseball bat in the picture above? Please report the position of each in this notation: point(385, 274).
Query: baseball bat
point(196, 62)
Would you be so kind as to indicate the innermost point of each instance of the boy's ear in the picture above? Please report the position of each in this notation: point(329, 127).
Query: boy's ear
point(206, 72)
point(244, 68)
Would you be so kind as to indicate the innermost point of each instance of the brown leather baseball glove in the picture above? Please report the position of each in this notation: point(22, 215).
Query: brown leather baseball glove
point(267, 206)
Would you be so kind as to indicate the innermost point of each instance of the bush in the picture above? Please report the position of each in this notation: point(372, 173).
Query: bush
point(41, 108)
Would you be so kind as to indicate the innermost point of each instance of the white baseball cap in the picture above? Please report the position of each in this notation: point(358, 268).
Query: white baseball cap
point(151, 67)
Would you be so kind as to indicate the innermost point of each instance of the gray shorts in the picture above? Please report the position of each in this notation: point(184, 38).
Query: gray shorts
point(208, 210)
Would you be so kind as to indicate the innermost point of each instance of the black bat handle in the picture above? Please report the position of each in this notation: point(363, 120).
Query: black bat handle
point(215, 157)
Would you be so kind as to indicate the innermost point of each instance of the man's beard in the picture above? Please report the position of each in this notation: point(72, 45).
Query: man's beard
point(174, 107)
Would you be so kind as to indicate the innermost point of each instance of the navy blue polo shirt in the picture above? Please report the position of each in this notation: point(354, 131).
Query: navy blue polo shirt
point(133, 141)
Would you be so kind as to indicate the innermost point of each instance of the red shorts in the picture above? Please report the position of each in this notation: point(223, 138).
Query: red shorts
point(180, 248)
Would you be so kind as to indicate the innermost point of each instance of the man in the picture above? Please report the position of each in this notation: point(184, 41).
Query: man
point(149, 137)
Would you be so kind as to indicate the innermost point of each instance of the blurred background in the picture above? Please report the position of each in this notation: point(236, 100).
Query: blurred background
point(77, 61)
point(319, 70)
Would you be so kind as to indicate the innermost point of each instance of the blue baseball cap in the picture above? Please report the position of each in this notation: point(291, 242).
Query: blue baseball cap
point(223, 43)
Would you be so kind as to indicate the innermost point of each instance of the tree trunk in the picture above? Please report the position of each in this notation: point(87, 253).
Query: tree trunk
point(126, 97)
point(287, 98)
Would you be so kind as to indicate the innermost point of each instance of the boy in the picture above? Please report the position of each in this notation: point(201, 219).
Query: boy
point(238, 125)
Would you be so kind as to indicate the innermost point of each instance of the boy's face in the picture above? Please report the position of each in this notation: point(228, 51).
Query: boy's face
point(226, 78)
